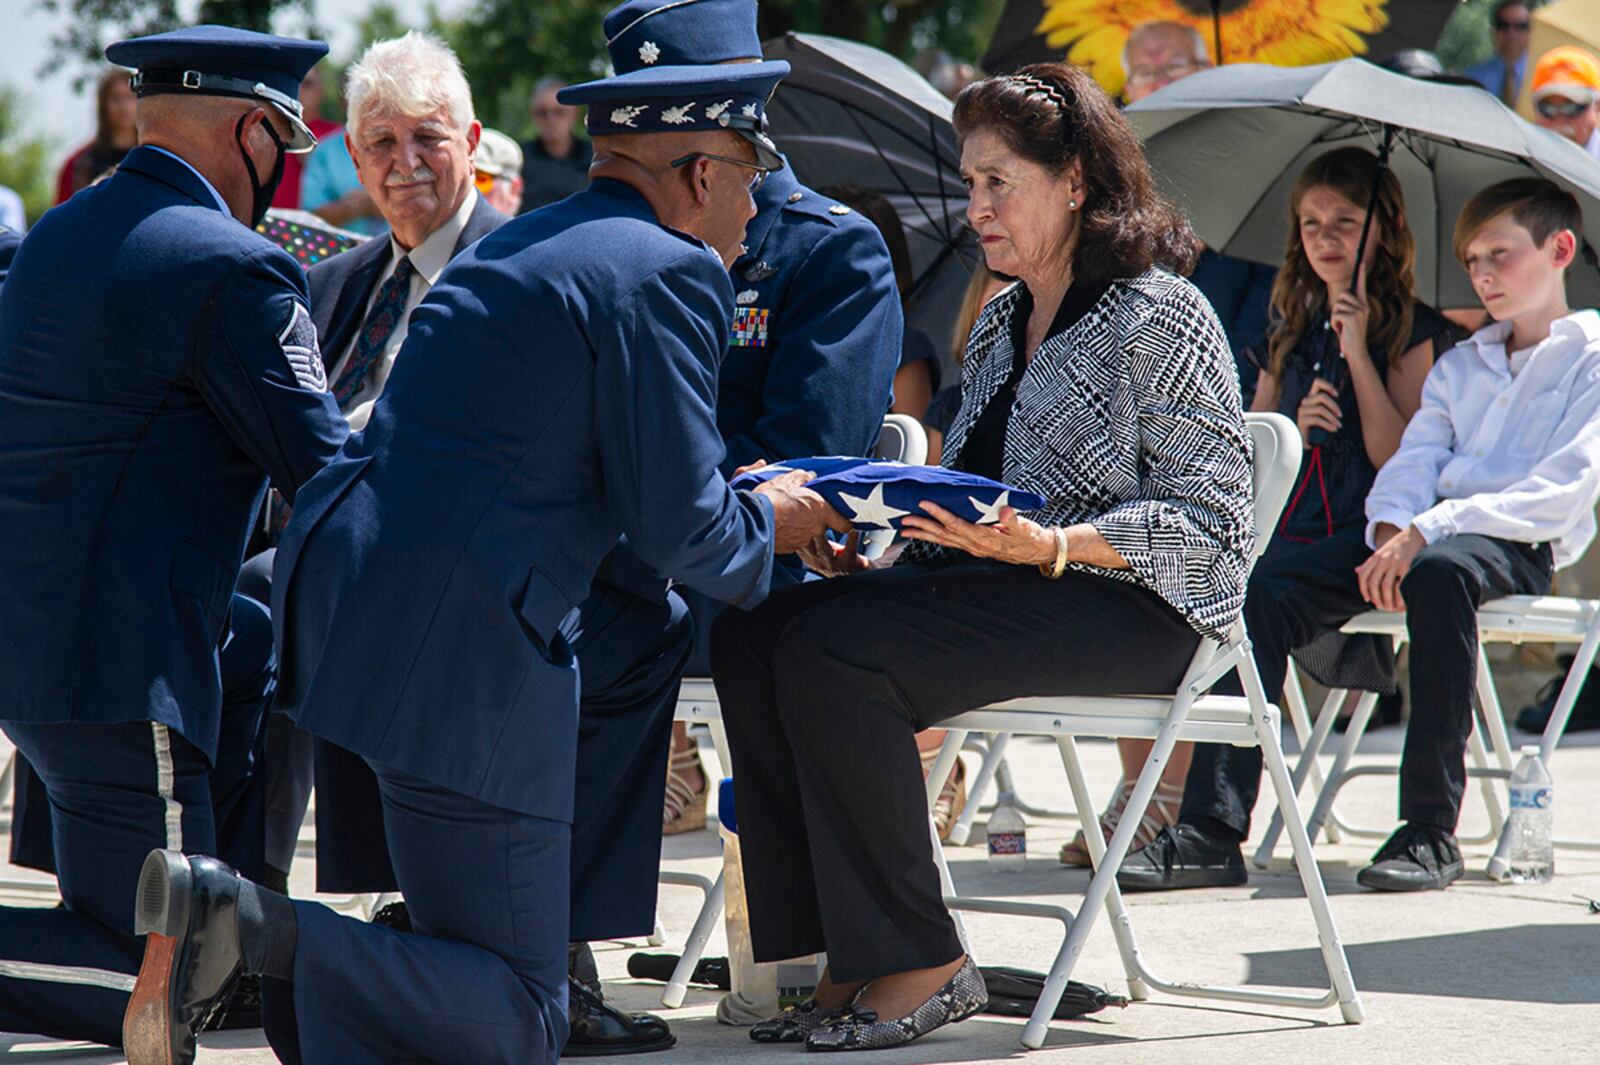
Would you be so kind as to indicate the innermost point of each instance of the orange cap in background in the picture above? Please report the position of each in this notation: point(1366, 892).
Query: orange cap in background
point(1567, 71)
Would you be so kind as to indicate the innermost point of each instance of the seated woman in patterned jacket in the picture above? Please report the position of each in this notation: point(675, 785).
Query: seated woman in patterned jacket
point(1101, 381)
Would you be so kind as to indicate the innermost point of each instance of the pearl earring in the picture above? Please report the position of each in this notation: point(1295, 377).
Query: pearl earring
point(1072, 205)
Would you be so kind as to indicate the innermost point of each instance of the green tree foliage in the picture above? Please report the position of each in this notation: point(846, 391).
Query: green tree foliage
point(508, 45)
point(24, 160)
point(93, 24)
point(1468, 38)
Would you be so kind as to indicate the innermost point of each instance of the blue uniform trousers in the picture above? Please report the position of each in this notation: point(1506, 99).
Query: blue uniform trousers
point(116, 792)
point(481, 980)
point(238, 787)
point(631, 652)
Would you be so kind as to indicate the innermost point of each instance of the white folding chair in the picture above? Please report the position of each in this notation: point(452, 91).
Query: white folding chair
point(1513, 619)
point(1188, 714)
point(902, 439)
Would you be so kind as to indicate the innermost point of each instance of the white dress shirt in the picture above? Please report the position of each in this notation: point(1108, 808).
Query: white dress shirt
point(1503, 445)
point(428, 261)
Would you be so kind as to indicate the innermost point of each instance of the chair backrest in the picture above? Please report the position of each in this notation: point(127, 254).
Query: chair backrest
point(902, 440)
point(1278, 447)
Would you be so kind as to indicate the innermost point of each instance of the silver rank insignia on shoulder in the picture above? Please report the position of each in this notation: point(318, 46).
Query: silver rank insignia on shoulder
point(749, 295)
point(759, 272)
point(796, 197)
point(298, 341)
point(838, 208)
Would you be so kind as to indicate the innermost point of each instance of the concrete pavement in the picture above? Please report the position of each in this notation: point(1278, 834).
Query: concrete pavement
point(1483, 972)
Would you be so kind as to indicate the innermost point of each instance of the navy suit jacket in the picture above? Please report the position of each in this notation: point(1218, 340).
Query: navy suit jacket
point(555, 390)
point(157, 363)
point(341, 286)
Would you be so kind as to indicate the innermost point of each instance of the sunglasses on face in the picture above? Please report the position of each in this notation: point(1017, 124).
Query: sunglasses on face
point(1508, 27)
point(757, 179)
point(1554, 108)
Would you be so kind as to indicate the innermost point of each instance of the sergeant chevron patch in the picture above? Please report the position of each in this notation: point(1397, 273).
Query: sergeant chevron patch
point(299, 343)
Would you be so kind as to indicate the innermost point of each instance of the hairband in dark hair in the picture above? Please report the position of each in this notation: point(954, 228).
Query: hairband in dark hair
point(1038, 86)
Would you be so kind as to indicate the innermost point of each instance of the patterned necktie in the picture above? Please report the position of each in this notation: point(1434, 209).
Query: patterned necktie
point(386, 313)
point(1508, 86)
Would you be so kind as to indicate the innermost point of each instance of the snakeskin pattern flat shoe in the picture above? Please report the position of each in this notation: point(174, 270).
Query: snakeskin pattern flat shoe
point(794, 1023)
point(860, 1028)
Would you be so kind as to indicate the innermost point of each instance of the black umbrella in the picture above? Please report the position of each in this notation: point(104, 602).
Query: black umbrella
point(851, 114)
point(1229, 143)
point(1092, 33)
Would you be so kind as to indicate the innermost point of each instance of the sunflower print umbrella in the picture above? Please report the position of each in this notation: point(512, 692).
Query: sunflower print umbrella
point(1281, 32)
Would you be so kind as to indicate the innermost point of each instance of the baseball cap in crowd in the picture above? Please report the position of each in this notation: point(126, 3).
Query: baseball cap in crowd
point(1567, 71)
point(498, 155)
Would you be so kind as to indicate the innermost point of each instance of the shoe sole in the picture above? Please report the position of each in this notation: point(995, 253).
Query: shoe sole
point(605, 1052)
point(1206, 880)
point(161, 914)
point(1450, 875)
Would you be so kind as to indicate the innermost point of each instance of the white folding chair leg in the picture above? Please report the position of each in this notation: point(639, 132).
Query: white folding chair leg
point(699, 935)
point(1103, 883)
point(1343, 984)
point(993, 758)
point(1561, 713)
point(949, 751)
point(1478, 767)
point(1305, 769)
point(658, 934)
point(1121, 927)
point(1294, 701)
point(1341, 765)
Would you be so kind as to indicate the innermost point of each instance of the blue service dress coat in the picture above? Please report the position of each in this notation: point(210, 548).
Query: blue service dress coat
point(422, 586)
point(817, 331)
point(135, 447)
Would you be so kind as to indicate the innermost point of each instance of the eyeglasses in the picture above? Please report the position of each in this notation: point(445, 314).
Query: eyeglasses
point(1172, 70)
point(757, 179)
point(1507, 27)
point(1554, 107)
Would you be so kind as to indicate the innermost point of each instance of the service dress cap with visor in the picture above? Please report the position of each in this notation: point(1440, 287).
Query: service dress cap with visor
point(687, 99)
point(223, 61)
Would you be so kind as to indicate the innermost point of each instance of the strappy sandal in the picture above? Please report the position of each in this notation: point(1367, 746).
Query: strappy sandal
point(1161, 813)
point(684, 808)
point(952, 797)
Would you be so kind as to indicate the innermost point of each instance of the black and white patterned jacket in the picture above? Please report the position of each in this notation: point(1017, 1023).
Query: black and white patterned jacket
point(1129, 420)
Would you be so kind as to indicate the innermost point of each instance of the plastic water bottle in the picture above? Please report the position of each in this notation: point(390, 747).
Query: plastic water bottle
point(1532, 796)
point(1008, 836)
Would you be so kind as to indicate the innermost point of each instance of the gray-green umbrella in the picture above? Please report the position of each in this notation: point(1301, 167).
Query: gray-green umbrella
point(1227, 144)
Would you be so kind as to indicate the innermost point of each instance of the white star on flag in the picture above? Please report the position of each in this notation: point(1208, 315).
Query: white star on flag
point(990, 515)
point(872, 510)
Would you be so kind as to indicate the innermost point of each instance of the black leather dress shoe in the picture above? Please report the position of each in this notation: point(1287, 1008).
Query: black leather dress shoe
point(599, 1029)
point(188, 909)
point(1182, 856)
point(1415, 858)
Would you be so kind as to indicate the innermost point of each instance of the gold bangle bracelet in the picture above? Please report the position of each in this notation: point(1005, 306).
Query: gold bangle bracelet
point(1056, 568)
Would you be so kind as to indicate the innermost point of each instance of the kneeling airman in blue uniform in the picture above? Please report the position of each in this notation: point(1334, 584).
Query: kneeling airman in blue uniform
point(556, 391)
point(157, 365)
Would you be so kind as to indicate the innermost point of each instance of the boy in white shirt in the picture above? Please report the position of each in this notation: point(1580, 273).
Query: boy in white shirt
point(1493, 487)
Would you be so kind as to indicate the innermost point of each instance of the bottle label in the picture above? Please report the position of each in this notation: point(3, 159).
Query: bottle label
point(1532, 798)
point(1008, 843)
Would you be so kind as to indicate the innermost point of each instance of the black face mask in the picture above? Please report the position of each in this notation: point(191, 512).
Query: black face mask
point(260, 193)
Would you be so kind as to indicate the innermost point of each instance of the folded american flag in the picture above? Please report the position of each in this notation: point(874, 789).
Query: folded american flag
point(875, 494)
